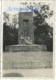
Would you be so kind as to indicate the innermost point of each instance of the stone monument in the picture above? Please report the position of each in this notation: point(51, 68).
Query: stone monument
point(25, 32)
point(26, 35)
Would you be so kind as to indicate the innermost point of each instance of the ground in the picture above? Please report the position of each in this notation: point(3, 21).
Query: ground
point(44, 73)
point(28, 64)
point(27, 60)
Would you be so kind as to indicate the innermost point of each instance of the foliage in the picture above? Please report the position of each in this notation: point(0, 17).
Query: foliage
point(10, 36)
point(43, 32)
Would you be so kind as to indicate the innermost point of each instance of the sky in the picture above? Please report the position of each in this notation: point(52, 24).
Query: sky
point(15, 4)
point(6, 4)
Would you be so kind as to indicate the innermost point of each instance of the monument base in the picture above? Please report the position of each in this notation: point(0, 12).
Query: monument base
point(16, 48)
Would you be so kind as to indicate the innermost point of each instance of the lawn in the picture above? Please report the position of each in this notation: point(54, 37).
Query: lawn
point(27, 60)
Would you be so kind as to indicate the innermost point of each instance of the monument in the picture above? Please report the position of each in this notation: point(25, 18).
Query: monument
point(25, 35)
point(25, 32)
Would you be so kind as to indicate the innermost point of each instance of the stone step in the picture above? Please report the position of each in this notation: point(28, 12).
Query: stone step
point(15, 48)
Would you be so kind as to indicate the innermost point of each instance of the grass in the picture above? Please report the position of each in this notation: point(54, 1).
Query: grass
point(27, 60)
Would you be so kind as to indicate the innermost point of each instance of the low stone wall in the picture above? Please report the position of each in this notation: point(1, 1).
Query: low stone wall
point(15, 48)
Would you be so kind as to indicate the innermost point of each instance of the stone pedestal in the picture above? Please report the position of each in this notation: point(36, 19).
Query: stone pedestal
point(16, 48)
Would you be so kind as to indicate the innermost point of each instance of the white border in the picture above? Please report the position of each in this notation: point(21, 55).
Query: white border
point(53, 47)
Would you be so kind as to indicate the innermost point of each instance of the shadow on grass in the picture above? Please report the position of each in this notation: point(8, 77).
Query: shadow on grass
point(13, 75)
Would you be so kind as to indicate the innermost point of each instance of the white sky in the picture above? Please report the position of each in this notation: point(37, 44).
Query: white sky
point(15, 3)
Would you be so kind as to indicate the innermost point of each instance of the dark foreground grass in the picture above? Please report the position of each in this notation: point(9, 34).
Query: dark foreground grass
point(12, 75)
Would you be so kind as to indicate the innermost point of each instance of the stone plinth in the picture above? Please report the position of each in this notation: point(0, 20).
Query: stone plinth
point(16, 48)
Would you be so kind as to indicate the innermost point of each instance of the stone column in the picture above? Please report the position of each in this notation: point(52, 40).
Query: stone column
point(25, 31)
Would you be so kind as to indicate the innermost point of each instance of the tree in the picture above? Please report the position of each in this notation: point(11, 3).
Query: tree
point(43, 32)
point(10, 36)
